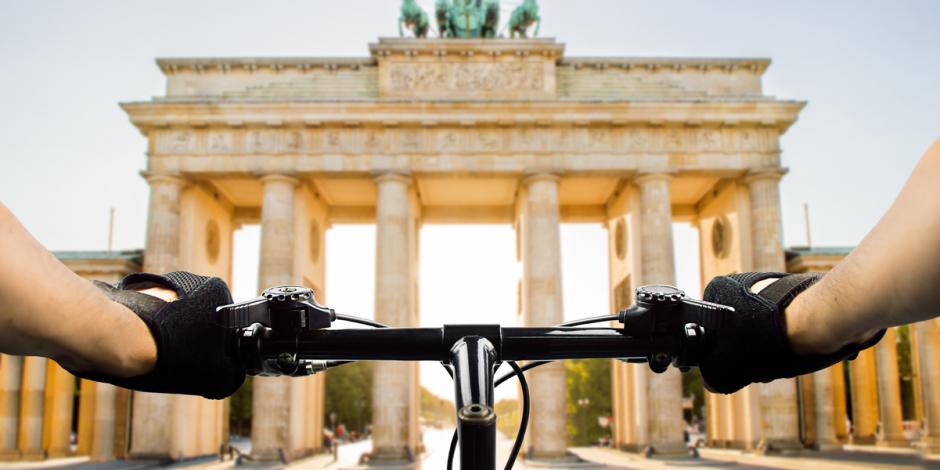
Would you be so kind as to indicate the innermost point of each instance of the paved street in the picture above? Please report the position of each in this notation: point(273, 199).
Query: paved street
point(437, 440)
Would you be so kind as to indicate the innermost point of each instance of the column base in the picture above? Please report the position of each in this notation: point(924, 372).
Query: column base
point(930, 446)
point(862, 440)
point(827, 446)
point(774, 446)
point(399, 457)
point(33, 454)
point(668, 450)
point(9, 454)
point(893, 442)
point(565, 460)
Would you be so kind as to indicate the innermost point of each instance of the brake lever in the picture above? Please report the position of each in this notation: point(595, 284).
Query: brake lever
point(282, 312)
point(664, 312)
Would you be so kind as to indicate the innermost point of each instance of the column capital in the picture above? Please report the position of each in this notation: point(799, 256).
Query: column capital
point(644, 177)
point(281, 177)
point(400, 177)
point(533, 177)
point(171, 178)
point(756, 174)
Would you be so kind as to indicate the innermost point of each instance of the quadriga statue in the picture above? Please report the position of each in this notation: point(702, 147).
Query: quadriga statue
point(524, 16)
point(467, 18)
point(414, 18)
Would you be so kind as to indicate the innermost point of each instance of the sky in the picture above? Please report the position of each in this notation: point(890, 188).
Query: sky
point(868, 71)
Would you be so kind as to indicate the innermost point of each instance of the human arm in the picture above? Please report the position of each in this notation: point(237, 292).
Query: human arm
point(891, 278)
point(48, 310)
point(785, 325)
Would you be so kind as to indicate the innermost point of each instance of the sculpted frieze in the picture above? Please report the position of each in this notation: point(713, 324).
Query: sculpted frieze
point(466, 76)
point(577, 139)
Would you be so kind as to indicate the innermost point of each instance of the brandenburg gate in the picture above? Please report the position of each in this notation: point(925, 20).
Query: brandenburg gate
point(464, 131)
point(438, 131)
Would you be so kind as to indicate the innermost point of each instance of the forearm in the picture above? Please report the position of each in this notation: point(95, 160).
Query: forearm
point(47, 310)
point(891, 278)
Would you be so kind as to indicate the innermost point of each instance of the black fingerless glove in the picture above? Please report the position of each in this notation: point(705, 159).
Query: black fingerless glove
point(752, 343)
point(191, 345)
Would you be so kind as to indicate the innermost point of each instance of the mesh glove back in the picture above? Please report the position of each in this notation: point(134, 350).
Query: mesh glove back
point(753, 345)
point(191, 345)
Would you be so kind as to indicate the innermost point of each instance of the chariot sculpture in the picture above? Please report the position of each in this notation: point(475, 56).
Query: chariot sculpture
point(468, 19)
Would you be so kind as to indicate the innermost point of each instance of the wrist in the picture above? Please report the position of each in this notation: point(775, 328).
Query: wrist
point(122, 346)
point(814, 327)
point(806, 327)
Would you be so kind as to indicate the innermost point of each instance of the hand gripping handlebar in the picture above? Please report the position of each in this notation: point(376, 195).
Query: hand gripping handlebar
point(286, 332)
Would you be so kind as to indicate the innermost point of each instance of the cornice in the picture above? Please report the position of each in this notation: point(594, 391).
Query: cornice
point(173, 65)
point(772, 113)
point(757, 65)
point(410, 47)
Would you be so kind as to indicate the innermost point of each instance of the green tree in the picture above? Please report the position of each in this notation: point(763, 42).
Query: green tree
point(588, 397)
point(693, 386)
point(508, 414)
point(240, 410)
point(905, 371)
point(437, 411)
point(349, 395)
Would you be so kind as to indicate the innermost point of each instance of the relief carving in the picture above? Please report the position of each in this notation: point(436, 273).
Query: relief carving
point(466, 76)
point(259, 141)
point(182, 141)
point(293, 141)
point(221, 141)
point(448, 139)
point(709, 139)
point(410, 140)
point(463, 140)
point(372, 140)
point(599, 138)
point(674, 140)
point(331, 141)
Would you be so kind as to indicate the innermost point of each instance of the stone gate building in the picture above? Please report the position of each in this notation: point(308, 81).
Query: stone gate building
point(469, 131)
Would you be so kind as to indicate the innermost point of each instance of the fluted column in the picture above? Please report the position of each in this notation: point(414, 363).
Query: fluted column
point(395, 270)
point(102, 440)
point(928, 345)
point(538, 220)
point(270, 410)
point(657, 266)
point(32, 404)
point(889, 391)
point(163, 223)
point(778, 399)
point(11, 381)
point(151, 416)
point(864, 389)
point(824, 410)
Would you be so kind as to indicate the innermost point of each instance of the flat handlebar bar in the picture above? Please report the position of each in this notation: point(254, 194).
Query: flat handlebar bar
point(285, 332)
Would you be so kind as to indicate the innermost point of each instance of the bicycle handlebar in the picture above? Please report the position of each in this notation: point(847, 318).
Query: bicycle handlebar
point(285, 332)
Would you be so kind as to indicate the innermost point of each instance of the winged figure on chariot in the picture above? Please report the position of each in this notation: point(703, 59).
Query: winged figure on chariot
point(468, 19)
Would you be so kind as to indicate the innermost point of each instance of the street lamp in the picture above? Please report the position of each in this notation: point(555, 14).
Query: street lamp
point(583, 404)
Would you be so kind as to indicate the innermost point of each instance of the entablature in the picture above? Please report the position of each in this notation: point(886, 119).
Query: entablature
point(197, 114)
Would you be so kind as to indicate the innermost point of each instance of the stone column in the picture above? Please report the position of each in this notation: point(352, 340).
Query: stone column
point(151, 413)
point(32, 403)
point(392, 405)
point(270, 425)
point(889, 391)
point(778, 399)
point(824, 410)
point(102, 440)
point(58, 410)
point(864, 387)
point(928, 345)
point(11, 381)
point(538, 223)
point(657, 266)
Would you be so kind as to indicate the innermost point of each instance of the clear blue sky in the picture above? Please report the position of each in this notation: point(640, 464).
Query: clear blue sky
point(869, 71)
